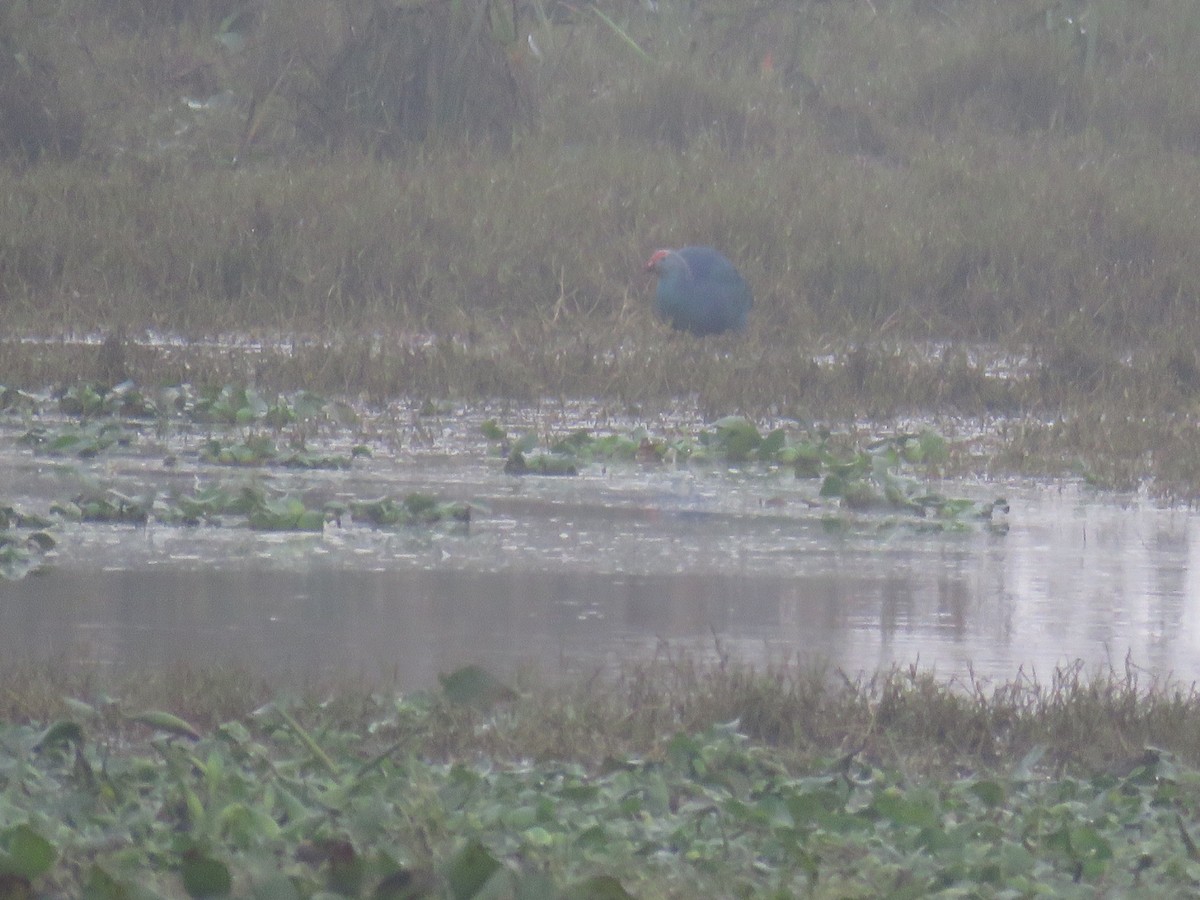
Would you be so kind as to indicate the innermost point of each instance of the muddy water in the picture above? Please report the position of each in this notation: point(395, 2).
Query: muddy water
point(571, 575)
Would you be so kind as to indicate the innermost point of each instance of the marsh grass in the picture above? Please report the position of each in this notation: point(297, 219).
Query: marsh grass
point(1020, 174)
point(903, 718)
point(669, 778)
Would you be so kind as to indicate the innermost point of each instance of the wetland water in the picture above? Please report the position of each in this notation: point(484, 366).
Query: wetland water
point(573, 575)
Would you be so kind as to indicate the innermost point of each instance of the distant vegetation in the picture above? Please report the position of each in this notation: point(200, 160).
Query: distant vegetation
point(885, 174)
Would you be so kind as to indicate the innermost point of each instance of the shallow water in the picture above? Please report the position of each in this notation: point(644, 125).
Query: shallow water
point(572, 575)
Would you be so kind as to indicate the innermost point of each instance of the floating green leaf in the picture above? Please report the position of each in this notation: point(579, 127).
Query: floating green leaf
point(469, 870)
point(204, 876)
point(25, 853)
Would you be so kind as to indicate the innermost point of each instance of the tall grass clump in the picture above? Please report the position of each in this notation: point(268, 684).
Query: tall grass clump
point(381, 76)
point(37, 117)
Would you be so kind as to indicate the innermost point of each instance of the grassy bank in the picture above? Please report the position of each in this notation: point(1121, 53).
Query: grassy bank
point(670, 781)
point(1019, 175)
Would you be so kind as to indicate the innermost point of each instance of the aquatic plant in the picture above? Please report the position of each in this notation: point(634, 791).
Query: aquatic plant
point(415, 508)
point(383, 795)
point(24, 541)
point(877, 477)
point(25, 537)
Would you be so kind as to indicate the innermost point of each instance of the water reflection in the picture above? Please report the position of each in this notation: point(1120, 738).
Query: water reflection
point(560, 577)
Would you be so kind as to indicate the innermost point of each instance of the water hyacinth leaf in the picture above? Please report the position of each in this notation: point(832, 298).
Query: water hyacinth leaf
point(991, 793)
point(833, 486)
point(100, 885)
point(41, 540)
point(280, 887)
point(576, 442)
point(406, 884)
point(469, 870)
point(64, 731)
point(286, 514)
point(772, 445)
point(245, 826)
point(598, 887)
point(617, 446)
point(302, 460)
point(736, 437)
point(15, 517)
point(81, 708)
point(253, 407)
point(204, 876)
point(420, 504)
point(860, 495)
point(537, 836)
point(20, 557)
point(415, 508)
point(255, 450)
point(25, 853)
point(1089, 846)
point(80, 400)
point(492, 431)
point(683, 750)
point(854, 466)
point(796, 455)
point(540, 464)
point(953, 508)
point(346, 868)
point(381, 512)
point(21, 519)
point(165, 721)
point(824, 809)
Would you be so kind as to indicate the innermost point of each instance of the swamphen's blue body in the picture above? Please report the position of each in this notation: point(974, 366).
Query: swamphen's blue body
point(699, 290)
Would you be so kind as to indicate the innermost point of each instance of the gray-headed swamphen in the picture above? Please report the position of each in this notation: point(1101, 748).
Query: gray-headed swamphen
point(699, 290)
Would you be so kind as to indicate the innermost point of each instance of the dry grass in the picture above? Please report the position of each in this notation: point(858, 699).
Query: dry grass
point(1023, 174)
point(900, 718)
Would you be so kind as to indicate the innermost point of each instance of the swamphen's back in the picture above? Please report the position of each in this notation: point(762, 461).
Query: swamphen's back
point(700, 291)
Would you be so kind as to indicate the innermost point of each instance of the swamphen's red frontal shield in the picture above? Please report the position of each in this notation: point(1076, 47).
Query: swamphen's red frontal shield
point(700, 291)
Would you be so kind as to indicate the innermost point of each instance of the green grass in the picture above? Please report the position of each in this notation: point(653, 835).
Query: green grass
point(672, 780)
